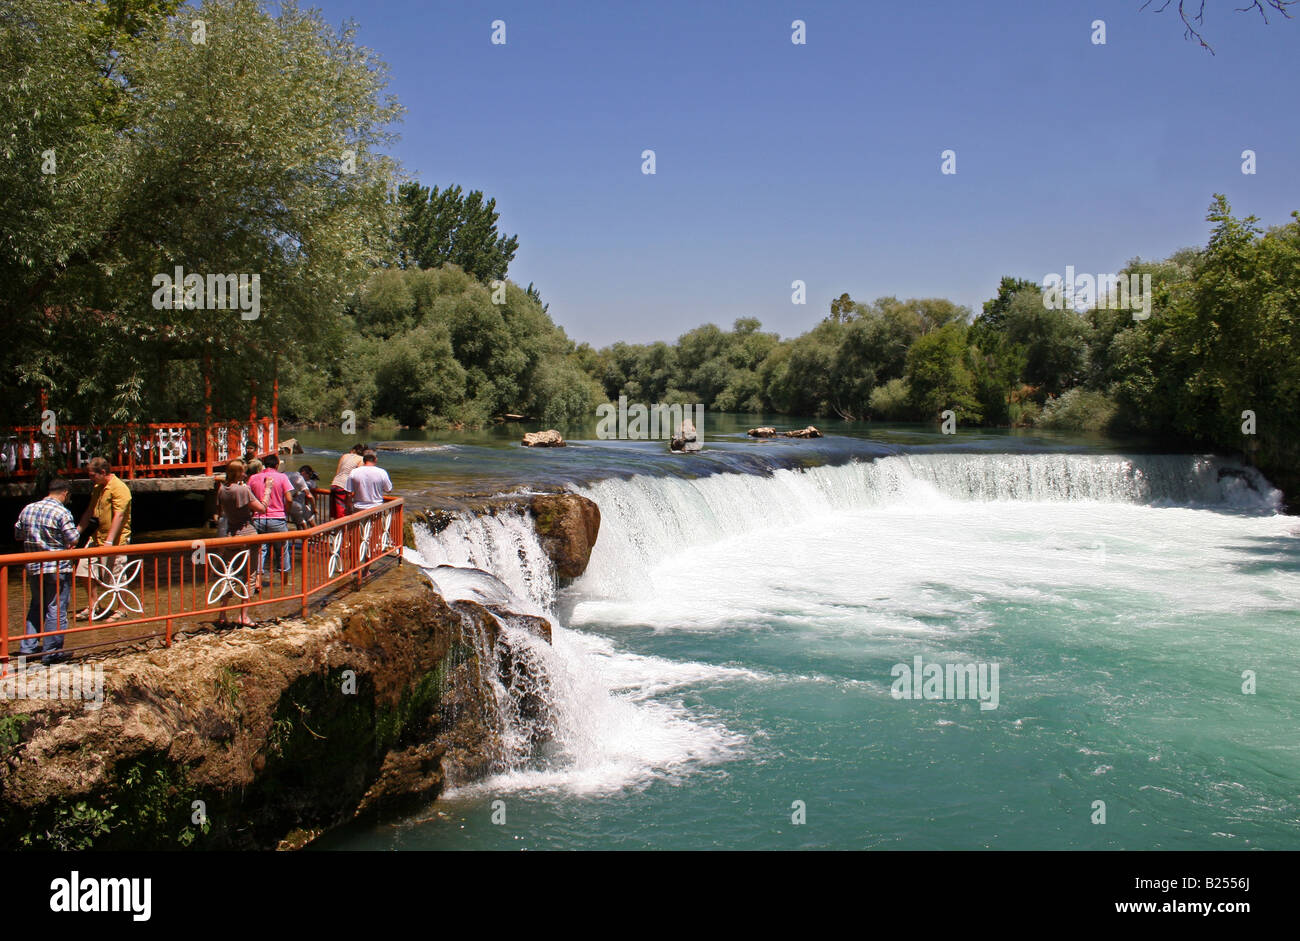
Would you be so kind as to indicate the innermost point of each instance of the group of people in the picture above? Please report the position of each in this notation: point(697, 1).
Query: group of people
point(256, 498)
point(47, 526)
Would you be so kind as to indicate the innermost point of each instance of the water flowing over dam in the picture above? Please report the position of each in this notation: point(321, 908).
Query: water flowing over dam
point(729, 650)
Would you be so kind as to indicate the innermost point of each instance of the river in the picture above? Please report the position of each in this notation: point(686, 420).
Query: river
point(729, 671)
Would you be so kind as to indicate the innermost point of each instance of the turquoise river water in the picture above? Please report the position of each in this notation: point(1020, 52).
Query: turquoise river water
point(728, 672)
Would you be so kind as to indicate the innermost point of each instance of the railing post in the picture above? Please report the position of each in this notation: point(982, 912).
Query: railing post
point(207, 414)
point(4, 614)
point(302, 564)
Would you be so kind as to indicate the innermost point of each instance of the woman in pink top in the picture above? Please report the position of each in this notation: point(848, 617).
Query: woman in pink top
point(273, 489)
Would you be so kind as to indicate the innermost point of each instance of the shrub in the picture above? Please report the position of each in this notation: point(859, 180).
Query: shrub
point(889, 402)
point(1078, 409)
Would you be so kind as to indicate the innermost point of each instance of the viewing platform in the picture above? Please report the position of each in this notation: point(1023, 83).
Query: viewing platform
point(170, 588)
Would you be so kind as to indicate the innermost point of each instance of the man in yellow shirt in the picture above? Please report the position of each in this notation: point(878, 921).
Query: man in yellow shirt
point(110, 505)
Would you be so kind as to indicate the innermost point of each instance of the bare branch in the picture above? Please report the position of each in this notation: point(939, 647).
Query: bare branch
point(1193, 22)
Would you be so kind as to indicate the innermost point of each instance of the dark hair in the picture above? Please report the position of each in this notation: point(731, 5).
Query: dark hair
point(359, 448)
point(369, 457)
point(271, 460)
point(57, 485)
point(307, 471)
point(99, 465)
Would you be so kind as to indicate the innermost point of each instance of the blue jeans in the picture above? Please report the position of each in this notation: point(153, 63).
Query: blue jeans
point(283, 550)
point(48, 611)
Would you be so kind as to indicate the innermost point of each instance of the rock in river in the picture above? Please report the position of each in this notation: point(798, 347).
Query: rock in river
point(544, 439)
point(567, 525)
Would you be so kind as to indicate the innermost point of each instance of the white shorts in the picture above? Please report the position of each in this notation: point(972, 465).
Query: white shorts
point(115, 565)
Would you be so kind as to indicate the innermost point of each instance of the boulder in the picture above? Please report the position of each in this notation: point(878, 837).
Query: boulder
point(762, 432)
point(567, 525)
point(809, 432)
point(544, 439)
point(290, 446)
point(686, 439)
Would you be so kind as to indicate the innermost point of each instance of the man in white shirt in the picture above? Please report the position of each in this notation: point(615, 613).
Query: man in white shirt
point(368, 483)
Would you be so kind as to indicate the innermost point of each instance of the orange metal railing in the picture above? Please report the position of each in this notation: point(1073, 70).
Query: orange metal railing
point(158, 449)
point(164, 583)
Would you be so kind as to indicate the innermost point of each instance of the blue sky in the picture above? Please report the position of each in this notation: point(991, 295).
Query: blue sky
point(821, 162)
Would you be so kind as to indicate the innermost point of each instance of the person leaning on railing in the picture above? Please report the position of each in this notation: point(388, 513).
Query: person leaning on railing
point(238, 504)
point(349, 462)
point(368, 483)
point(301, 509)
point(47, 526)
point(110, 506)
point(367, 486)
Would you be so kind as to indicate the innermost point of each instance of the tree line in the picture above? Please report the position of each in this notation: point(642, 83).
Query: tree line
point(1217, 351)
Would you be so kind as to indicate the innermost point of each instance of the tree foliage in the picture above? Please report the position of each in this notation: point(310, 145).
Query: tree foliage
point(431, 348)
point(451, 227)
point(225, 156)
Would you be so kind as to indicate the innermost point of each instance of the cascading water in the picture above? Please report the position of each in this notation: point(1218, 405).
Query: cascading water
point(574, 713)
point(504, 544)
point(611, 717)
point(646, 519)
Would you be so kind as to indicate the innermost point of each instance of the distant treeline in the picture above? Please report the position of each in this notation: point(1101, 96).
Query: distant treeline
point(1216, 352)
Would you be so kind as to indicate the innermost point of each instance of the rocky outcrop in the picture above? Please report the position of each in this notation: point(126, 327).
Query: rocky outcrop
point(769, 432)
point(544, 439)
point(687, 438)
point(251, 737)
point(290, 446)
point(567, 525)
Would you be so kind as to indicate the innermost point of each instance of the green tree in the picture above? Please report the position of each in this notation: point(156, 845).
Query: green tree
point(227, 156)
point(939, 375)
point(440, 227)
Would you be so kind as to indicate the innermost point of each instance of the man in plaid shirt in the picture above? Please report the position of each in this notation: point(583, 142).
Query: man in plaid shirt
point(47, 526)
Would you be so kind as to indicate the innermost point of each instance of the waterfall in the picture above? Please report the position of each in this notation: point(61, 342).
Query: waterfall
point(504, 544)
point(577, 712)
point(583, 714)
point(645, 519)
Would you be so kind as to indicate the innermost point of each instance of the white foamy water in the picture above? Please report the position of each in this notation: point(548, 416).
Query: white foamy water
point(893, 553)
point(610, 725)
point(614, 728)
point(925, 568)
point(505, 545)
point(648, 519)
